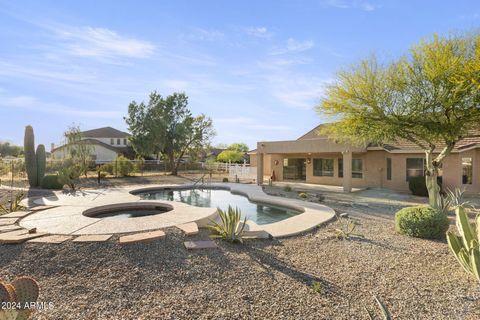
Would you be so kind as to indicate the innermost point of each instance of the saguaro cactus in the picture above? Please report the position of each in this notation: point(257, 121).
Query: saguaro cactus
point(465, 246)
point(30, 159)
point(41, 163)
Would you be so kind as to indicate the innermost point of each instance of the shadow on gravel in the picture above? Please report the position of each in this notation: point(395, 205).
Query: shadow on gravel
point(9, 253)
point(34, 194)
point(270, 263)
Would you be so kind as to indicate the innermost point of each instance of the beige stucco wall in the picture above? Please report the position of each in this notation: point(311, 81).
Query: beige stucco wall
point(102, 153)
point(374, 169)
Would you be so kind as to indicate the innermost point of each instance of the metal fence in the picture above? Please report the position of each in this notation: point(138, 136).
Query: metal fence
point(12, 171)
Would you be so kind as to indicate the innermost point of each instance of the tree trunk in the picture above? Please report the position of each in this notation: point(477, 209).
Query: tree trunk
point(431, 180)
point(173, 167)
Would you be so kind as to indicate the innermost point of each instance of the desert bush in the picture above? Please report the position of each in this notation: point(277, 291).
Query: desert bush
point(347, 228)
point(13, 205)
point(70, 173)
point(125, 167)
point(287, 188)
point(51, 181)
point(303, 195)
point(225, 180)
point(418, 186)
point(421, 222)
point(106, 168)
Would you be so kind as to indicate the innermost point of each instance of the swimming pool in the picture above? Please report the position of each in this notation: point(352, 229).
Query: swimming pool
point(217, 198)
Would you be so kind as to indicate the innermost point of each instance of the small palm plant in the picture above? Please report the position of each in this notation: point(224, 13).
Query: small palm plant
point(347, 228)
point(229, 228)
point(465, 246)
point(13, 205)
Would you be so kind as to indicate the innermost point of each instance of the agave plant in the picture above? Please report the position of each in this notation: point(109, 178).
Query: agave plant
point(13, 205)
point(347, 228)
point(385, 313)
point(465, 246)
point(229, 228)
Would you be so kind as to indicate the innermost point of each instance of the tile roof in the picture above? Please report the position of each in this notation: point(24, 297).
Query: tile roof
point(105, 132)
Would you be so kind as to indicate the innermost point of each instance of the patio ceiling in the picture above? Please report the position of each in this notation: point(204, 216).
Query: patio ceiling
point(306, 146)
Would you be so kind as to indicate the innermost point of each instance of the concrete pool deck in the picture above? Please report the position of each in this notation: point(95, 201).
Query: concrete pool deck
point(67, 217)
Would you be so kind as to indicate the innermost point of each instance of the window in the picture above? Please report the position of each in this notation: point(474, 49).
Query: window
point(467, 171)
point(389, 168)
point(340, 168)
point(118, 141)
point(112, 141)
point(125, 141)
point(415, 167)
point(357, 168)
point(323, 167)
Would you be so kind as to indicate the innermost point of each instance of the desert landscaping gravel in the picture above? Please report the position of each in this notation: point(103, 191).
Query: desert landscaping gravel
point(262, 279)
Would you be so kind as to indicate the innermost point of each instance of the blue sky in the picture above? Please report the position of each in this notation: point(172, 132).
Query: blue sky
point(257, 68)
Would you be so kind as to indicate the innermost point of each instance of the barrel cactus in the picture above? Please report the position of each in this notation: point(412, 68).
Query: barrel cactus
point(41, 162)
point(30, 159)
point(21, 293)
point(465, 246)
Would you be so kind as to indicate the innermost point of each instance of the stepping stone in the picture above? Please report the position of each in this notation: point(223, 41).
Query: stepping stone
point(201, 244)
point(56, 238)
point(7, 221)
point(93, 238)
point(8, 228)
point(142, 237)
point(18, 236)
point(17, 214)
point(190, 228)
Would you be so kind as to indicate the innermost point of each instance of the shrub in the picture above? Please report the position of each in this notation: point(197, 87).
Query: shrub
point(106, 168)
point(418, 186)
point(303, 195)
point(124, 167)
point(70, 173)
point(225, 180)
point(421, 222)
point(316, 286)
point(287, 188)
point(13, 205)
point(51, 182)
point(229, 228)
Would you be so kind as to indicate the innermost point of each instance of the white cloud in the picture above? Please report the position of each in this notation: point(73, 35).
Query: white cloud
point(33, 104)
point(259, 32)
point(294, 46)
point(350, 4)
point(201, 34)
point(101, 43)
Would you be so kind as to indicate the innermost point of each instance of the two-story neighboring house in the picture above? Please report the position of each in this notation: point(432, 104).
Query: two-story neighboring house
point(106, 144)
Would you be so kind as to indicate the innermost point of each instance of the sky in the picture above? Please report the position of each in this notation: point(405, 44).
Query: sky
point(257, 68)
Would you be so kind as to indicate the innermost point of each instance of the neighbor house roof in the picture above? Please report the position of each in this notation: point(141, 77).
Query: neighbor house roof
point(105, 132)
point(97, 142)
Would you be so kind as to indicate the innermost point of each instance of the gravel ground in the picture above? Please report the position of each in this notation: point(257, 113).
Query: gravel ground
point(265, 279)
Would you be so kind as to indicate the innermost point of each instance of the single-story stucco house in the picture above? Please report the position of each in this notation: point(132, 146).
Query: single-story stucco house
point(314, 158)
point(106, 145)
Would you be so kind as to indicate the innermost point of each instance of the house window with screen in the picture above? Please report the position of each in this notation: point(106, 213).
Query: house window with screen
point(415, 167)
point(112, 141)
point(357, 168)
point(323, 167)
point(118, 141)
point(340, 168)
point(467, 171)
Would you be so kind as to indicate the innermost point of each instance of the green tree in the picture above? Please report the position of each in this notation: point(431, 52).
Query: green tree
point(77, 150)
point(165, 126)
point(7, 149)
point(430, 97)
point(233, 153)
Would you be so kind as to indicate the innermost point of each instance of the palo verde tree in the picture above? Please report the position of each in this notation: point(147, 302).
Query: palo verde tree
point(430, 97)
point(233, 153)
point(165, 126)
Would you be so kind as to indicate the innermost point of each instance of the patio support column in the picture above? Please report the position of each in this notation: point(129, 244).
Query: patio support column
point(259, 167)
point(347, 171)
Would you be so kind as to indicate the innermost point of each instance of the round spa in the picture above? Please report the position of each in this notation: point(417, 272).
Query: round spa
point(127, 210)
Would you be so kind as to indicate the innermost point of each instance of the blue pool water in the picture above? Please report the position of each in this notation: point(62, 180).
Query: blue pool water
point(212, 198)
